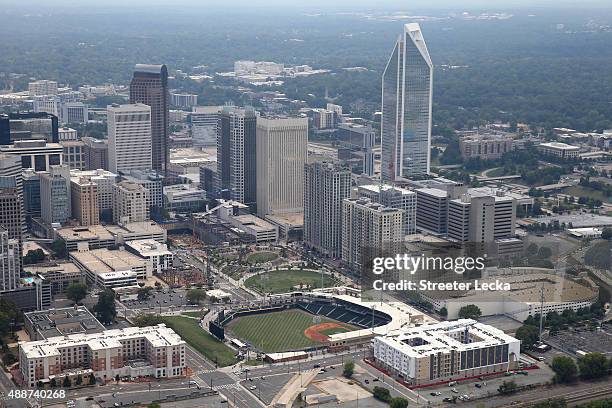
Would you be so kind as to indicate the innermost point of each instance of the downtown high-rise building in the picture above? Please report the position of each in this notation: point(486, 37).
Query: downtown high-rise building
point(9, 261)
point(369, 230)
point(130, 203)
point(282, 149)
point(55, 201)
point(149, 86)
point(394, 197)
point(325, 186)
point(11, 217)
point(129, 137)
point(10, 166)
point(406, 108)
point(236, 155)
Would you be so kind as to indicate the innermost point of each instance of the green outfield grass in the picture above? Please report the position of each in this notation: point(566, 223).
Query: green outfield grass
point(200, 340)
point(277, 331)
point(261, 257)
point(284, 280)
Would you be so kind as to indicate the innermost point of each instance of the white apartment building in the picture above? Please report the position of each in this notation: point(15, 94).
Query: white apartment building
point(326, 185)
point(104, 180)
point(371, 227)
point(134, 352)
point(394, 197)
point(130, 202)
point(282, 149)
point(446, 350)
point(183, 100)
point(47, 103)
point(42, 87)
point(205, 125)
point(129, 137)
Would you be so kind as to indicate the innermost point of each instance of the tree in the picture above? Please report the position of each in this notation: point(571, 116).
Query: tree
point(398, 402)
point(53, 383)
point(117, 378)
point(66, 383)
point(349, 368)
point(381, 394)
point(470, 312)
point(34, 256)
point(528, 335)
point(565, 369)
point(443, 312)
point(59, 248)
point(79, 380)
point(144, 320)
point(105, 308)
point(76, 292)
point(507, 387)
point(606, 233)
point(92, 378)
point(154, 405)
point(196, 295)
point(144, 293)
point(593, 365)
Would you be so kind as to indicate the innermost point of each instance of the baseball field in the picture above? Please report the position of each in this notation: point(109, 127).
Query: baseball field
point(283, 331)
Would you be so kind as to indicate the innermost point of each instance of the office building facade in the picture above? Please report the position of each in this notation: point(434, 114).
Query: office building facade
point(55, 195)
point(394, 197)
point(130, 203)
point(407, 85)
point(149, 86)
point(129, 137)
point(282, 149)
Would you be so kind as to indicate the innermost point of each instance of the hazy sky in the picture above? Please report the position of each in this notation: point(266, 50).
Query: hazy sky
point(311, 4)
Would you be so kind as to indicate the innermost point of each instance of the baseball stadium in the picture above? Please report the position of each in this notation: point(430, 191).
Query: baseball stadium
point(333, 318)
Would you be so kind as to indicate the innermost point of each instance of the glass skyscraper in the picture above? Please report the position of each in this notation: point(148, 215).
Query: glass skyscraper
point(406, 108)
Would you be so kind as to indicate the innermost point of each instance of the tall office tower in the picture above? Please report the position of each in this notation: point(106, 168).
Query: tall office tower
point(84, 201)
point(432, 210)
point(236, 152)
point(9, 261)
point(325, 186)
point(205, 125)
point(96, 153)
point(406, 108)
point(11, 212)
point(55, 205)
point(394, 197)
point(369, 230)
point(42, 87)
point(282, 148)
point(150, 86)
point(129, 137)
point(130, 203)
point(31, 194)
point(10, 166)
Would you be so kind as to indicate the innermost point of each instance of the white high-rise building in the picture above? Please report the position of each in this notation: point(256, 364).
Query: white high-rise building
point(282, 148)
point(131, 203)
point(74, 112)
point(325, 186)
point(129, 137)
point(49, 104)
point(42, 87)
point(368, 230)
point(407, 84)
point(205, 125)
point(394, 197)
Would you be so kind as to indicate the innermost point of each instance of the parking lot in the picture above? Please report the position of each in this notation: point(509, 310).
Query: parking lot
point(164, 298)
point(585, 340)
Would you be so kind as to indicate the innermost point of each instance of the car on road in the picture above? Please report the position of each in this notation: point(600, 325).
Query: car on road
point(478, 385)
point(435, 393)
point(253, 387)
point(454, 390)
